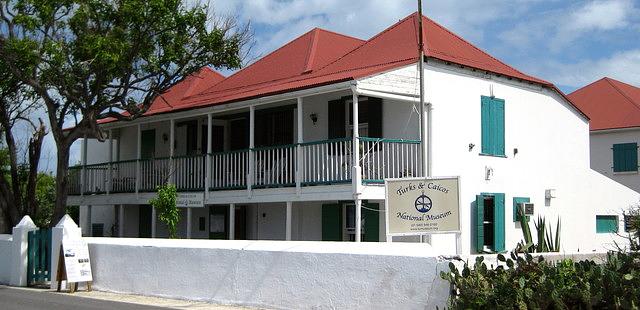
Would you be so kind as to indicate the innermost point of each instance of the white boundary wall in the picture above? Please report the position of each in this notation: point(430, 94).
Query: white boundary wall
point(274, 274)
point(6, 250)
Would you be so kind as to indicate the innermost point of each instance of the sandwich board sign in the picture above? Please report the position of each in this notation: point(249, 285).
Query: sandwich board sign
point(420, 206)
point(74, 264)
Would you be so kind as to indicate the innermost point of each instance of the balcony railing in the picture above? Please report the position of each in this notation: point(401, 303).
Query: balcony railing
point(320, 162)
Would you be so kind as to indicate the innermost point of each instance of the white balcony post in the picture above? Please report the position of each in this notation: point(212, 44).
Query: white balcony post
point(288, 223)
point(110, 166)
point(252, 118)
point(138, 157)
point(83, 175)
point(232, 221)
point(121, 221)
point(172, 146)
point(357, 183)
point(189, 214)
point(207, 177)
point(358, 204)
point(299, 162)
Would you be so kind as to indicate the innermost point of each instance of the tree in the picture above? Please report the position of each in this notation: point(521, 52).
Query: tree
point(18, 171)
point(93, 59)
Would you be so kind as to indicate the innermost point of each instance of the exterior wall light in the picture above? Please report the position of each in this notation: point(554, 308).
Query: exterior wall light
point(314, 118)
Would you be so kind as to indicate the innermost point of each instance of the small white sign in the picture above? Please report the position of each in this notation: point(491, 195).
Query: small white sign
point(76, 260)
point(190, 200)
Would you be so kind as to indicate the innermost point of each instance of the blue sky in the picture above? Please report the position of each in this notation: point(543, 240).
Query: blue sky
point(569, 43)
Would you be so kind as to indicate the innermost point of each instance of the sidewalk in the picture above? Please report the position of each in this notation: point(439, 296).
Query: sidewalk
point(156, 301)
point(159, 302)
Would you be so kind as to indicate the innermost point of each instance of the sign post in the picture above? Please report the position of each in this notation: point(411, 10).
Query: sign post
point(423, 206)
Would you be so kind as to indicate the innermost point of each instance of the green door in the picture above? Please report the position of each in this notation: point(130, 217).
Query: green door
point(144, 221)
point(218, 222)
point(331, 222)
point(148, 146)
point(371, 219)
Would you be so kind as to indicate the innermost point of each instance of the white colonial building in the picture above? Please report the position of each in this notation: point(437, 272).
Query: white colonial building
point(297, 144)
point(614, 110)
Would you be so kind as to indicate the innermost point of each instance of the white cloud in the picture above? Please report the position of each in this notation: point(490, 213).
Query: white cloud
point(559, 28)
point(623, 66)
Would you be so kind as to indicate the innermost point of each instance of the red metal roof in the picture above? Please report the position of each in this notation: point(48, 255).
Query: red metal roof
point(610, 104)
point(321, 57)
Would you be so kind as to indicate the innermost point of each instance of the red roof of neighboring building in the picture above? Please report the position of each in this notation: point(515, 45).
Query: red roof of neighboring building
point(321, 57)
point(610, 104)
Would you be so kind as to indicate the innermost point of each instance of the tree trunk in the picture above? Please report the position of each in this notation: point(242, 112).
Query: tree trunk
point(35, 149)
point(62, 178)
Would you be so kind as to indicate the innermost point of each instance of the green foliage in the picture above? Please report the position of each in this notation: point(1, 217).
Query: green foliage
point(525, 282)
point(548, 241)
point(166, 209)
point(45, 198)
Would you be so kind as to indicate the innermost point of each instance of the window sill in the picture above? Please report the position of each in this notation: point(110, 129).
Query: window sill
point(625, 172)
point(492, 155)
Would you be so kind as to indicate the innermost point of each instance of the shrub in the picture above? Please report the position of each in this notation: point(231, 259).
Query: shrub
point(165, 205)
point(525, 282)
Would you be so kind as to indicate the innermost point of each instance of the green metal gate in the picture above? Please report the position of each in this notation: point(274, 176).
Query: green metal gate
point(39, 257)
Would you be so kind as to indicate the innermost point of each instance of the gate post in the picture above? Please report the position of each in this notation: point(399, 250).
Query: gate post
point(19, 259)
point(66, 228)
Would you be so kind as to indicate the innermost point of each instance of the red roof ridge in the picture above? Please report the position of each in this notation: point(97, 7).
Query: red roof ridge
point(426, 41)
point(365, 41)
point(621, 92)
point(311, 53)
point(339, 34)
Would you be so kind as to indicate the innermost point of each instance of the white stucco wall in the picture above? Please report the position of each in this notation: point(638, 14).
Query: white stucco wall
point(280, 275)
point(602, 154)
point(6, 251)
point(552, 140)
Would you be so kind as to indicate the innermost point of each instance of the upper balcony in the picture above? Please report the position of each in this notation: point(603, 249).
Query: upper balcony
point(299, 143)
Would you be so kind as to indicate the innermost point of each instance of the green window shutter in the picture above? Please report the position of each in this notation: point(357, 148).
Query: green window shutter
point(493, 128)
point(336, 120)
point(625, 157)
point(516, 201)
point(479, 223)
point(606, 224)
point(375, 117)
point(148, 147)
point(487, 142)
point(499, 225)
point(371, 222)
point(331, 222)
point(498, 129)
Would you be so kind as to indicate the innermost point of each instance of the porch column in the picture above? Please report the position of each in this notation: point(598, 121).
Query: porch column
point(153, 222)
point(208, 164)
point(252, 118)
point(232, 221)
point(139, 156)
point(172, 146)
point(299, 149)
point(109, 167)
point(288, 223)
point(83, 175)
point(121, 221)
point(188, 223)
point(356, 177)
point(89, 230)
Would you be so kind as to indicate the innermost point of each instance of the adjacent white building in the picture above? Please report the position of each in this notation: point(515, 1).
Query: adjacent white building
point(614, 109)
point(275, 154)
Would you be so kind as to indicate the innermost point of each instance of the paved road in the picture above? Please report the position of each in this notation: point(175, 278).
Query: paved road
point(27, 299)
